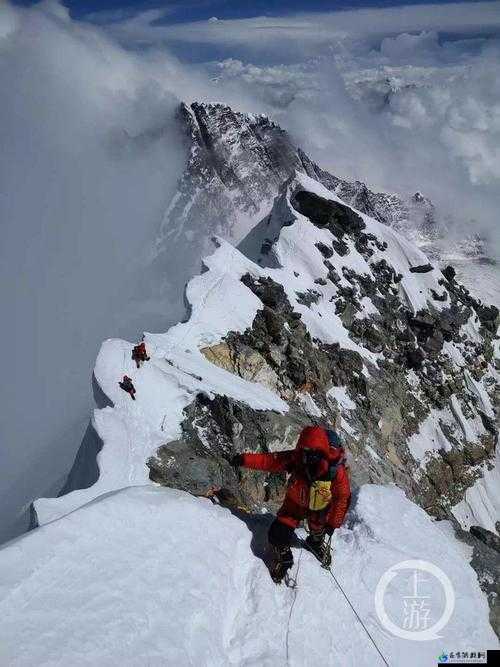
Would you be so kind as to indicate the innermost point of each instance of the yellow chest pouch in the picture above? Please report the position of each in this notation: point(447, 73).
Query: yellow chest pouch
point(320, 495)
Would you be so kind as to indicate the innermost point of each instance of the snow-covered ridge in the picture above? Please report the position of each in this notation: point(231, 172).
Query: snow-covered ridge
point(235, 165)
point(221, 303)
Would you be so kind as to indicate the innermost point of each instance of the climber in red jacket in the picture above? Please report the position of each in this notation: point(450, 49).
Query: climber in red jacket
point(139, 354)
point(128, 386)
point(318, 490)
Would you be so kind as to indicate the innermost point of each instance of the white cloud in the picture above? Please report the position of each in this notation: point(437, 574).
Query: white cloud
point(89, 159)
point(293, 35)
point(375, 94)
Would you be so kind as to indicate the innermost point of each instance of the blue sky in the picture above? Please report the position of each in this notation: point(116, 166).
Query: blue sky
point(195, 10)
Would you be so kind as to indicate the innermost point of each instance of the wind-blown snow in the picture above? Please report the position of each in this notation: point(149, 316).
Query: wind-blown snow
point(153, 576)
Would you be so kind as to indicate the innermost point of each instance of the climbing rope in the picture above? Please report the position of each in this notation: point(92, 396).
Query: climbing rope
point(292, 606)
point(359, 618)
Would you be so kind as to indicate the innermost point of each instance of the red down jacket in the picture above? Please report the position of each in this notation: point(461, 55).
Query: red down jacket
point(295, 507)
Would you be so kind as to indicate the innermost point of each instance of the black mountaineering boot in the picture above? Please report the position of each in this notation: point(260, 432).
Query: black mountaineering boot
point(282, 562)
point(317, 545)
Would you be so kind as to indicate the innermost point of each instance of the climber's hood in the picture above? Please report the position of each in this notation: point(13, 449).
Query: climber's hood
point(314, 437)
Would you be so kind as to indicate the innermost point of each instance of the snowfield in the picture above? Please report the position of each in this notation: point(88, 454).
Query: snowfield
point(153, 576)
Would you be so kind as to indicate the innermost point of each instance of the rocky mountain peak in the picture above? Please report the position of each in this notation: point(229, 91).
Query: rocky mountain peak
point(244, 158)
point(249, 154)
point(236, 163)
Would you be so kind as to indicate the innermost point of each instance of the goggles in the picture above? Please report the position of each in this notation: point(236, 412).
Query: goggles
point(311, 457)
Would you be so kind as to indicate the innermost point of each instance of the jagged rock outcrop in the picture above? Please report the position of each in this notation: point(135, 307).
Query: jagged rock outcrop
point(485, 560)
point(388, 208)
point(235, 165)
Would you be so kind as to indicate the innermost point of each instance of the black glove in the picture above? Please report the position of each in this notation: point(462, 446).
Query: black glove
point(237, 460)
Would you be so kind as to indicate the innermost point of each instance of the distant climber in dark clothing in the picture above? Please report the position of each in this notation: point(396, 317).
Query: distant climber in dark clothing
point(126, 385)
point(139, 354)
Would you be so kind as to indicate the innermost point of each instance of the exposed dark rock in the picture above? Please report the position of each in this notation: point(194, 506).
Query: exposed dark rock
point(414, 358)
point(368, 335)
point(340, 247)
point(423, 268)
point(385, 273)
point(422, 324)
point(271, 294)
point(449, 273)
point(363, 245)
point(439, 297)
point(329, 214)
point(332, 273)
point(324, 250)
point(490, 539)
point(489, 317)
point(216, 429)
point(389, 209)
point(486, 562)
point(309, 297)
point(434, 343)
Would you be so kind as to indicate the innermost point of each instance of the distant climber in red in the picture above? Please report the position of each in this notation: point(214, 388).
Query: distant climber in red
point(127, 386)
point(139, 354)
point(318, 490)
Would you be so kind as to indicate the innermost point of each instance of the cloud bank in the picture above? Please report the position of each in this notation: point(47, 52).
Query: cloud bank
point(88, 162)
point(404, 98)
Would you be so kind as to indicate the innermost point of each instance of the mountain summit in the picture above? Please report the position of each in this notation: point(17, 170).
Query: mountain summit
point(236, 163)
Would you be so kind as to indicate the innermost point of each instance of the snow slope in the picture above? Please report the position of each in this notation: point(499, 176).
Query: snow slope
point(153, 576)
